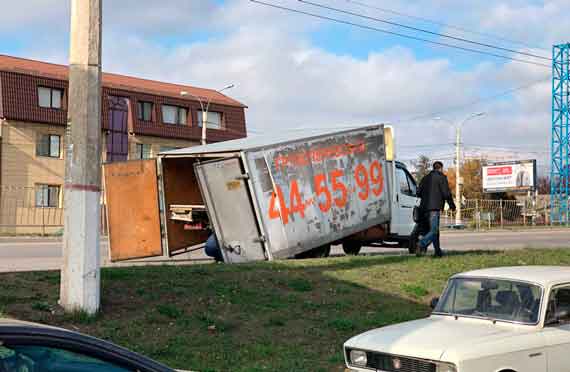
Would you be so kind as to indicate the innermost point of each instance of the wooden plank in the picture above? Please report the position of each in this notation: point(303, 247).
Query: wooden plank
point(132, 208)
point(177, 207)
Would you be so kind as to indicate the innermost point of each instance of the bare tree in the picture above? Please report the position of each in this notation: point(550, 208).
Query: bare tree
point(543, 185)
point(422, 166)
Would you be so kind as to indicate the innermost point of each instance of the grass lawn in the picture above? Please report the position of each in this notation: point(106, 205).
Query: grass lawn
point(282, 316)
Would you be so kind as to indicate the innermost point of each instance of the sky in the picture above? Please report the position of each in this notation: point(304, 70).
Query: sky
point(295, 71)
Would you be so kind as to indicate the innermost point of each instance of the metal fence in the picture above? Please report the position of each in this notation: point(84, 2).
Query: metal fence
point(20, 214)
point(484, 214)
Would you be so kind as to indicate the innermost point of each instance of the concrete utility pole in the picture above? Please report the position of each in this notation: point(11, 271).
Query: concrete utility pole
point(205, 109)
point(80, 274)
point(457, 161)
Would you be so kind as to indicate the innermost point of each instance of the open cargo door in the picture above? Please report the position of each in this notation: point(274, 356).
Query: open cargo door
point(181, 193)
point(133, 213)
point(231, 211)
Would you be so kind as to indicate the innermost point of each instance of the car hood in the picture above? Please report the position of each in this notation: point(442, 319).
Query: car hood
point(429, 338)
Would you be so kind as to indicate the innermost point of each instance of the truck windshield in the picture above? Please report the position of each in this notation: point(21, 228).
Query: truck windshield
point(493, 299)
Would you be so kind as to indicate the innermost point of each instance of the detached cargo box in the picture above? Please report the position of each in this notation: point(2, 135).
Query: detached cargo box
point(265, 197)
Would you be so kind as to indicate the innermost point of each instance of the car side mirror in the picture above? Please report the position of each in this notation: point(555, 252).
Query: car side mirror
point(433, 302)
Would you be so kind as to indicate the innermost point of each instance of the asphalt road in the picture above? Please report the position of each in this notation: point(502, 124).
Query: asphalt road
point(28, 254)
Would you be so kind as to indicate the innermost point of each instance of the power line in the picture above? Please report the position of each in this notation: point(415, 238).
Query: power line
point(399, 34)
point(504, 146)
point(506, 149)
point(451, 37)
point(429, 145)
point(423, 116)
point(443, 24)
point(476, 102)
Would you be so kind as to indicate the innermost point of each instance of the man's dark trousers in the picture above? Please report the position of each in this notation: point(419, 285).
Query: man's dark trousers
point(433, 235)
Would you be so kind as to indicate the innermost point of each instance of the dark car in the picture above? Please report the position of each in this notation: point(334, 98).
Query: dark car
point(30, 347)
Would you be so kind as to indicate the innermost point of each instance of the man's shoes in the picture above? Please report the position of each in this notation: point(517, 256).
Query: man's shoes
point(438, 255)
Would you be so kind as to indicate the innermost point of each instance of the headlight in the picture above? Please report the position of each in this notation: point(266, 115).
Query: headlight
point(358, 358)
point(445, 367)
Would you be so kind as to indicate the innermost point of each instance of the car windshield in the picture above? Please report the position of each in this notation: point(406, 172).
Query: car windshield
point(491, 298)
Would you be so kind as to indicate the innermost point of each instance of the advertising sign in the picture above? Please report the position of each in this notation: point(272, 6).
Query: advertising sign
point(514, 176)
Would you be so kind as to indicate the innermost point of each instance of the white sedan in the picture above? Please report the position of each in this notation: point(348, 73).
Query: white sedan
point(508, 319)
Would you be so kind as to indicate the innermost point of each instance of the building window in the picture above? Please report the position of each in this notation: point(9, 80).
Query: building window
point(145, 110)
point(49, 145)
point(143, 151)
point(47, 196)
point(50, 97)
point(214, 120)
point(174, 115)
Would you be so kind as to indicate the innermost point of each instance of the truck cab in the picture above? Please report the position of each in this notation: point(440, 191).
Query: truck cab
point(400, 231)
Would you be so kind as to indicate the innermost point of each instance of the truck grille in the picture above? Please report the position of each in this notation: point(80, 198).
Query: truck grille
point(394, 363)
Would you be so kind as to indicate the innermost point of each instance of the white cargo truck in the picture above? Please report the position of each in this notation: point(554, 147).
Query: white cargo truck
point(266, 197)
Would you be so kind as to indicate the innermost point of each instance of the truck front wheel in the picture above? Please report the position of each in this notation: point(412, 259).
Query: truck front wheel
point(352, 248)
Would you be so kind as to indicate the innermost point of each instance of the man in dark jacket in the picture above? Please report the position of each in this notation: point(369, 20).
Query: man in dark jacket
point(434, 192)
point(212, 248)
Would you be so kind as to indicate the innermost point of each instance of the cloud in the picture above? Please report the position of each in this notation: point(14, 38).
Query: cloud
point(157, 18)
point(137, 16)
point(544, 23)
point(288, 80)
point(19, 15)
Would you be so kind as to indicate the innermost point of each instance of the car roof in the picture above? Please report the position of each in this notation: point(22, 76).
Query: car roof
point(543, 275)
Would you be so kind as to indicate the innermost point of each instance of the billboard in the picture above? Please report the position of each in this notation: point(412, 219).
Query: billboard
point(519, 175)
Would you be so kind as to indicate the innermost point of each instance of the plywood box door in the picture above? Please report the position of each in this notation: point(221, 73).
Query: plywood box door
point(133, 213)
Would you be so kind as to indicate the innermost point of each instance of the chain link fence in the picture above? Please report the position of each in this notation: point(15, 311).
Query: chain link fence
point(34, 211)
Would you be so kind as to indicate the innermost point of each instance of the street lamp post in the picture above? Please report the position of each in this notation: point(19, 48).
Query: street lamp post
point(457, 174)
point(205, 109)
point(457, 162)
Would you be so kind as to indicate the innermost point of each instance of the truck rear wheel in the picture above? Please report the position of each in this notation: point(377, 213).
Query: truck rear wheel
point(351, 248)
point(319, 252)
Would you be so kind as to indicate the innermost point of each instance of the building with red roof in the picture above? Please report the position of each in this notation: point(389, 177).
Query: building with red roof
point(140, 118)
